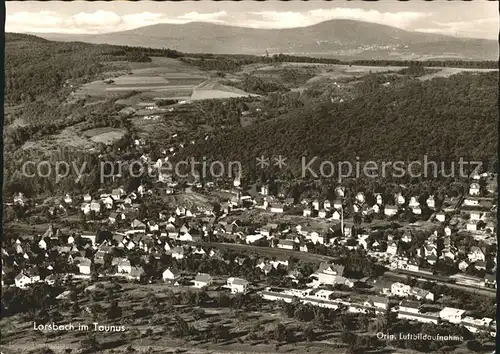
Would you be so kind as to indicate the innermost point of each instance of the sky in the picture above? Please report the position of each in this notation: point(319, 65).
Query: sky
point(475, 19)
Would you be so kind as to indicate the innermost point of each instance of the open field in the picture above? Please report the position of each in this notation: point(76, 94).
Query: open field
point(187, 200)
point(169, 78)
point(212, 89)
point(166, 78)
point(163, 78)
point(104, 135)
point(75, 138)
point(447, 72)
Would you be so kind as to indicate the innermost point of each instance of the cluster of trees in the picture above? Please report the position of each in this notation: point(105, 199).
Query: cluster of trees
point(295, 77)
point(416, 69)
point(43, 182)
point(479, 305)
point(165, 102)
point(232, 63)
point(32, 301)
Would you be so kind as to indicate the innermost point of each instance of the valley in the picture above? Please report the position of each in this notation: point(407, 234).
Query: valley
point(260, 258)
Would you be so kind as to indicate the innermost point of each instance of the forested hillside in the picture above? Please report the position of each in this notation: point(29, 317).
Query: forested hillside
point(337, 37)
point(445, 118)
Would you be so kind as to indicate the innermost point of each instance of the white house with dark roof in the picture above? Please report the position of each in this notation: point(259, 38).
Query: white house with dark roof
point(337, 204)
point(199, 251)
point(42, 244)
point(237, 285)
point(276, 208)
point(441, 216)
point(84, 266)
point(124, 266)
point(22, 280)
point(178, 253)
point(463, 265)
point(169, 275)
point(471, 226)
point(392, 248)
point(330, 274)
point(410, 310)
point(420, 294)
point(91, 237)
point(471, 201)
point(95, 206)
point(136, 224)
point(108, 202)
point(475, 215)
point(112, 217)
point(413, 202)
point(286, 244)
point(390, 210)
point(362, 240)
point(490, 281)
point(431, 202)
point(452, 314)
point(474, 189)
point(409, 306)
point(417, 210)
point(448, 253)
point(475, 325)
point(322, 214)
point(68, 199)
point(117, 193)
point(378, 302)
point(85, 208)
point(476, 254)
point(360, 197)
point(136, 273)
point(400, 289)
point(202, 280)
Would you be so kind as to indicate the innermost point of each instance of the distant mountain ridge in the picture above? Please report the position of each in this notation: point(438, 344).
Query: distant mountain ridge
point(341, 38)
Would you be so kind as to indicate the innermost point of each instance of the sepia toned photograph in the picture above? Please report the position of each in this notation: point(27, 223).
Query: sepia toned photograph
point(251, 177)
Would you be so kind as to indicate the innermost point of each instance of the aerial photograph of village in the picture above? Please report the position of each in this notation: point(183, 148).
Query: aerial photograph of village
point(250, 177)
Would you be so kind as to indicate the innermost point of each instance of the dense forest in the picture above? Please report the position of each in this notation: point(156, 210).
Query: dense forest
point(444, 118)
